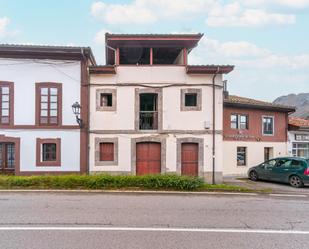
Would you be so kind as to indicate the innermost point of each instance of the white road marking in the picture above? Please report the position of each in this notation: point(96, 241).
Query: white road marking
point(288, 195)
point(149, 229)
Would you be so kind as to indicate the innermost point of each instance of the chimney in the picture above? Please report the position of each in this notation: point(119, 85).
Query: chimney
point(225, 91)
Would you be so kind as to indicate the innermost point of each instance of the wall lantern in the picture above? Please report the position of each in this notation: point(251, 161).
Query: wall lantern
point(76, 110)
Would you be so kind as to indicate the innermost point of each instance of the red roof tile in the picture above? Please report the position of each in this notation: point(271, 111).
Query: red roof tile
point(299, 122)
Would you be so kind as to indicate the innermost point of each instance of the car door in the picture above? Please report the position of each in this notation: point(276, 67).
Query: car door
point(281, 170)
point(265, 171)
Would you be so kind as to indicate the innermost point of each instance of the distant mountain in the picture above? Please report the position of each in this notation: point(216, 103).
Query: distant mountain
point(300, 101)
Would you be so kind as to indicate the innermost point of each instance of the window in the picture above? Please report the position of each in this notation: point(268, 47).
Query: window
point(49, 97)
point(268, 125)
point(48, 152)
point(302, 137)
point(270, 163)
point(6, 103)
point(106, 151)
point(239, 121)
point(148, 114)
point(301, 150)
point(191, 100)
point(106, 99)
point(241, 156)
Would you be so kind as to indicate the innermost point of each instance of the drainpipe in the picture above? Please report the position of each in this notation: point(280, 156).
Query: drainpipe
point(214, 126)
point(113, 49)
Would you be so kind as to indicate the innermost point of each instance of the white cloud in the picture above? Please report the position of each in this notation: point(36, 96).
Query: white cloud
point(298, 4)
point(123, 13)
point(256, 68)
point(215, 12)
point(233, 15)
point(4, 22)
point(4, 32)
point(100, 37)
point(245, 55)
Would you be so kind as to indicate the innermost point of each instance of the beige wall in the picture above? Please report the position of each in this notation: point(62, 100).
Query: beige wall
point(193, 124)
point(173, 118)
point(255, 155)
point(125, 149)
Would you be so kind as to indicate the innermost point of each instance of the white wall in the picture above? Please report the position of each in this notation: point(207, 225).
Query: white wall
point(24, 73)
point(124, 152)
point(173, 118)
point(255, 155)
point(70, 148)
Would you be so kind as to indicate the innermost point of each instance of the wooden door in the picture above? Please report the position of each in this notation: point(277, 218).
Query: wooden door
point(189, 159)
point(148, 158)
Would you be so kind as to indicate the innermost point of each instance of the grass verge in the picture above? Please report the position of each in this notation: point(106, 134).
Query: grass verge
point(109, 182)
point(147, 182)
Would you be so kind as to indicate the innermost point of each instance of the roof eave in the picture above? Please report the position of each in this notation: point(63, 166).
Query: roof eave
point(209, 69)
point(259, 107)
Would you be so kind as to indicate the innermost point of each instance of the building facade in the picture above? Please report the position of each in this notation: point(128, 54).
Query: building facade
point(38, 131)
point(253, 132)
point(298, 137)
point(151, 112)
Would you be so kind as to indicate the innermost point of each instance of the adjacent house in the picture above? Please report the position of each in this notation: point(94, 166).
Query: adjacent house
point(38, 131)
point(151, 112)
point(253, 131)
point(298, 137)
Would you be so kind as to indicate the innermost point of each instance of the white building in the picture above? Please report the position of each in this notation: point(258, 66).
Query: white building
point(38, 130)
point(298, 137)
point(151, 113)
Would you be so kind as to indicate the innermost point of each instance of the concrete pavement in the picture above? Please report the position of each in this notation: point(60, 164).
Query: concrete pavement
point(275, 187)
point(197, 218)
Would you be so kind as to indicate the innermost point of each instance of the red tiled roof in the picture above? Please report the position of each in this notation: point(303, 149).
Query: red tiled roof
point(234, 100)
point(299, 122)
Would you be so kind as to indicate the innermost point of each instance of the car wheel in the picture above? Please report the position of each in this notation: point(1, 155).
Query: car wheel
point(253, 175)
point(296, 182)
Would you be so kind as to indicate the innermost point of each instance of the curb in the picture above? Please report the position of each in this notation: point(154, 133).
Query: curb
point(146, 192)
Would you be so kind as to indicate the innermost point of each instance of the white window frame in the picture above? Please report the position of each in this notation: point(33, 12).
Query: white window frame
point(273, 118)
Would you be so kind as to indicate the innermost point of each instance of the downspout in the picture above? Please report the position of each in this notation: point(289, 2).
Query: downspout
point(85, 61)
point(115, 52)
point(214, 125)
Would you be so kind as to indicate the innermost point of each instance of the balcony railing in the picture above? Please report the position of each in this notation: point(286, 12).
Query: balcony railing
point(148, 120)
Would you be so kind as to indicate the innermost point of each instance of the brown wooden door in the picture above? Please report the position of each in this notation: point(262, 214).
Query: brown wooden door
point(148, 158)
point(189, 159)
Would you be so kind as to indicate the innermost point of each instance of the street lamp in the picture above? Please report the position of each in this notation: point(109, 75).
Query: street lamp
point(76, 110)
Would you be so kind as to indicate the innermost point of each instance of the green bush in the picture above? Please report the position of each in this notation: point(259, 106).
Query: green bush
point(155, 182)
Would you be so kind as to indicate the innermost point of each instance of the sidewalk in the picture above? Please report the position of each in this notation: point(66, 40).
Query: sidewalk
point(273, 187)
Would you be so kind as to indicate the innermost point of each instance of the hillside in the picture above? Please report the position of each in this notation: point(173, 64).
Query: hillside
point(300, 101)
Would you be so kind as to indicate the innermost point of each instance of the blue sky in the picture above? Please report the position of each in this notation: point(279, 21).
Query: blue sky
point(266, 40)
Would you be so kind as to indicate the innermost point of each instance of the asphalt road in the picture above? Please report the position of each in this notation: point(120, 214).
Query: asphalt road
point(73, 221)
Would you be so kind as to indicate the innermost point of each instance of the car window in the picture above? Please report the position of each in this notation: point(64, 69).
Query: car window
point(270, 163)
point(296, 163)
point(284, 163)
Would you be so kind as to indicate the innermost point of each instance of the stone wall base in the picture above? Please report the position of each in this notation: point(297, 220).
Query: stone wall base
point(113, 173)
point(218, 177)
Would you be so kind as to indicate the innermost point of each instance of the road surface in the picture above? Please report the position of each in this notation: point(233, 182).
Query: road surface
point(96, 220)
